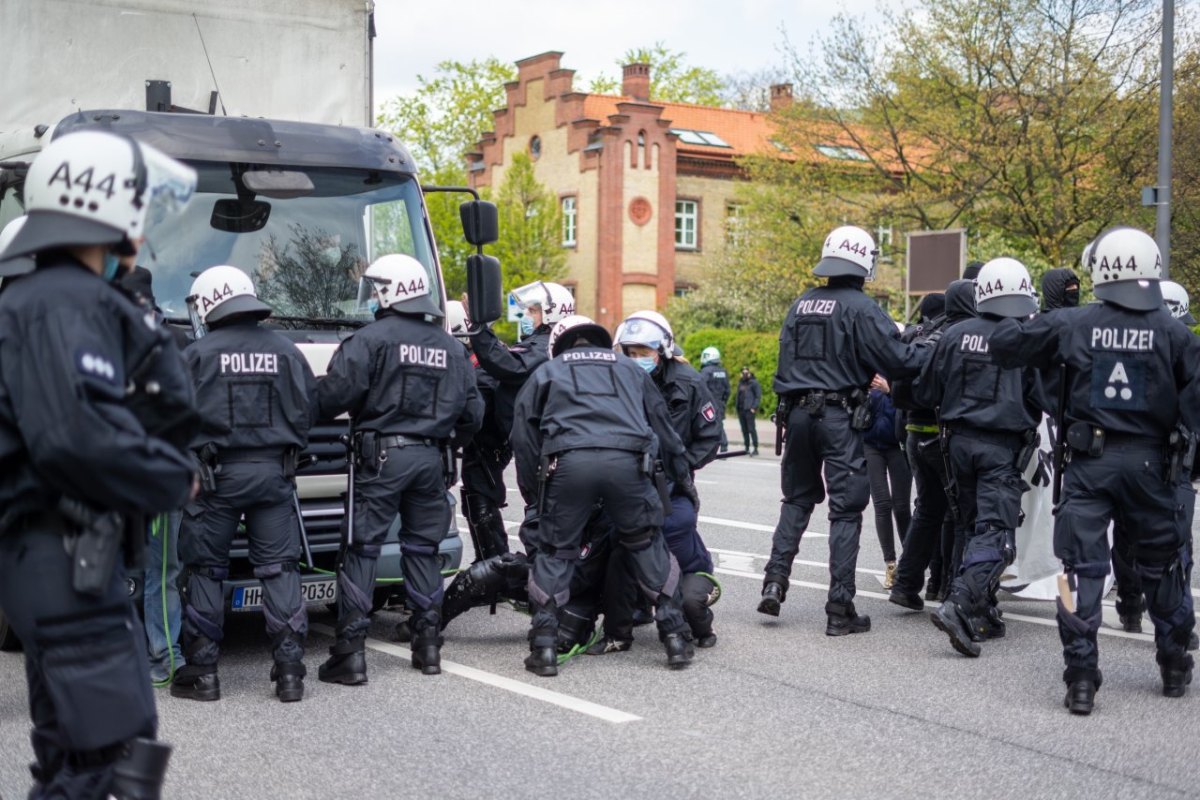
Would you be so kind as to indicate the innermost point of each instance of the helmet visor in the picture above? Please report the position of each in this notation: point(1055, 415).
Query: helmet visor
point(366, 291)
point(531, 294)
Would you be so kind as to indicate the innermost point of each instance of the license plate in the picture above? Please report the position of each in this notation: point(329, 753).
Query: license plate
point(248, 598)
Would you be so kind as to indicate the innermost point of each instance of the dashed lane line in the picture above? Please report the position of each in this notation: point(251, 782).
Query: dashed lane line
point(576, 704)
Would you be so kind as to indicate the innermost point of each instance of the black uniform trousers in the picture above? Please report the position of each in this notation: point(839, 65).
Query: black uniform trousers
point(1126, 485)
point(408, 480)
point(86, 666)
point(620, 592)
point(581, 477)
point(749, 428)
point(1130, 599)
point(826, 441)
point(483, 495)
point(989, 499)
point(929, 511)
point(258, 491)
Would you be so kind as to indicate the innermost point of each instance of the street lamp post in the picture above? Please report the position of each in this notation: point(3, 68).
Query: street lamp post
point(1165, 110)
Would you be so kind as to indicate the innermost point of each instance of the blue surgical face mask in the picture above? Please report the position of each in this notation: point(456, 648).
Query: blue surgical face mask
point(111, 265)
point(647, 363)
point(526, 325)
point(373, 305)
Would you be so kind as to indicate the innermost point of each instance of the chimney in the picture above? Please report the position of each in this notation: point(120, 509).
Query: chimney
point(781, 96)
point(635, 81)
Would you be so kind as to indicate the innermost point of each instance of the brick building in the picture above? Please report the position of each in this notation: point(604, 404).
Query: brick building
point(647, 188)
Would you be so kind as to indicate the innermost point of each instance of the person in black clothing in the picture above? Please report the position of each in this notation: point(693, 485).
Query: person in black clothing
point(410, 391)
point(647, 338)
point(890, 475)
point(834, 341)
point(1130, 380)
point(1060, 289)
point(588, 426)
point(989, 416)
point(96, 411)
point(716, 378)
point(749, 398)
point(255, 391)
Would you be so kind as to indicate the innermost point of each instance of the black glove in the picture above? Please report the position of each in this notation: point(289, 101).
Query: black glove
point(688, 489)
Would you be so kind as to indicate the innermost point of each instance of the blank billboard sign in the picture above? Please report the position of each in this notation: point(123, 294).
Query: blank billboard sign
point(934, 259)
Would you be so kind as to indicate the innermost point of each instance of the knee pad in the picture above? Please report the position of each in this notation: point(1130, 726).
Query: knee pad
point(417, 547)
point(95, 674)
point(638, 540)
point(274, 570)
point(366, 550)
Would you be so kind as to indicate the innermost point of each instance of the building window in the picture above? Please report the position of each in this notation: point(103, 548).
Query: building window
point(735, 224)
point(641, 151)
point(687, 213)
point(535, 148)
point(568, 221)
point(883, 242)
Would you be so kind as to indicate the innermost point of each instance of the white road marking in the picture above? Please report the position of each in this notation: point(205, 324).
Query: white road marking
point(753, 526)
point(823, 564)
point(559, 699)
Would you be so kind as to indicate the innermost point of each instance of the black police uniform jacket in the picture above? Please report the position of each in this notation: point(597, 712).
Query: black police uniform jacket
point(401, 375)
point(835, 338)
point(74, 359)
point(1128, 372)
point(510, 366)
point(592, 397)
point(693, 414)
point(254, 388)
point(716, 378)
point(971, 389)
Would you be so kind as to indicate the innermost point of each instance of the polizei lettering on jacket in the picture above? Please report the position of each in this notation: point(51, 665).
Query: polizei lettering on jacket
point(584, 355)
point(249, 363)
point(421, 356)
point(973, 343)
point(1136, 340)
point(819, 308)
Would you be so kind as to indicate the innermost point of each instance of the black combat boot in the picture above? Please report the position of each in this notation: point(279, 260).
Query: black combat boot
point(1193, 642)
point(952, 620)
point(705, 640)
point(996, 628)
point(347, 663)
point(1081, 697)
point(193, 682)
point(774, 592)
point(289, 681)
point(138, 774)
point(912, 602)
point(1176, 674)
point(427, 648)
point(402, 632)
point(679, 650)
point(1130, 613)
point(843, 620)
point(542, 661)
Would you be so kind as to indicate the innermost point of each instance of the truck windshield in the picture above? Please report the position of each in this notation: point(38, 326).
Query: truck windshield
point(307, 258)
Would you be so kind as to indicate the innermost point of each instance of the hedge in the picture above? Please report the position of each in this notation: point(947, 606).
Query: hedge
point(759, 351)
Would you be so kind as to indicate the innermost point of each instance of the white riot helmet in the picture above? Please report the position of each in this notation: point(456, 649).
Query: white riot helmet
point(1126, 268)
point(1176, 299)
point(95, 188)
point(568, 329)
point(18, 265)
point(219, 293)
point(1005, 289)
point(399, 282)
point(456, 320)
point(555, 300)
point(848, 250)
point(709, 355)
point(648, 329)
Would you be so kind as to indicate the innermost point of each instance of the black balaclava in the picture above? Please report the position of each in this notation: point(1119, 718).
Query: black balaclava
point(1054, 289)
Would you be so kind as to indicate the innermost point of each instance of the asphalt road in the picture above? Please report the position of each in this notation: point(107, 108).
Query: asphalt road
point(777, 709)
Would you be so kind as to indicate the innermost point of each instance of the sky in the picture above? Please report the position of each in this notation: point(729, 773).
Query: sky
point(729, 37)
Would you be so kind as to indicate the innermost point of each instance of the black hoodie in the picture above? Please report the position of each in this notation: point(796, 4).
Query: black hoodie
point(1054, 289)
point(960, 300)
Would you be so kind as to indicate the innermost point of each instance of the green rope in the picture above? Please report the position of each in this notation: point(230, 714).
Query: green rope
point(581, 648)
point(159, 528)
point(716, 583)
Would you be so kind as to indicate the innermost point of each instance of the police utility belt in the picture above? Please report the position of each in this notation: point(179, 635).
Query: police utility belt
point(854, 402)
point(93, 539)
point(1023, 443)
point(1179, 449)
point(211, 458)
point(370, 447)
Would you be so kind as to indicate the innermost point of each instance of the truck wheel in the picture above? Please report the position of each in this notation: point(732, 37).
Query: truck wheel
point(9, 642)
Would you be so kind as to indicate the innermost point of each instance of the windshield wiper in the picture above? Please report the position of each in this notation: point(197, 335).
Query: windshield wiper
point(334, 322)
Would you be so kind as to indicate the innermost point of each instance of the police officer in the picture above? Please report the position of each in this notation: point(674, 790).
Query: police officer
point(834, 340)
point(540, 305)
point(254, 388)
point(989, 416)
point(1130, 378)
point(647, 338)
point(588, 426)
point(716, 378)
point(409, 389)
point(95, 412)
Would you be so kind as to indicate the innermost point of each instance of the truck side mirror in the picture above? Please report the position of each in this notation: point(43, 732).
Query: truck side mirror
point(484, 289)
point(480, 222)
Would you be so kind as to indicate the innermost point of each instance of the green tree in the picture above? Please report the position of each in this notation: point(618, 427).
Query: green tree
point(530, 245)
point(439, 123)
point(672, 79)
